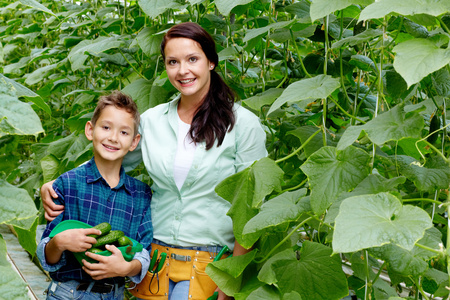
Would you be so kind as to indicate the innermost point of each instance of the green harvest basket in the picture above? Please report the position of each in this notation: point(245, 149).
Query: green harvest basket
point(127, 251)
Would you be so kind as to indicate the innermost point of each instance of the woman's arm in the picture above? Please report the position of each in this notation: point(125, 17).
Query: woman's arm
point(52, 210)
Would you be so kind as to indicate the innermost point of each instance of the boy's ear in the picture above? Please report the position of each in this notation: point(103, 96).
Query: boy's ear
point(89, 130)
point(135, 142)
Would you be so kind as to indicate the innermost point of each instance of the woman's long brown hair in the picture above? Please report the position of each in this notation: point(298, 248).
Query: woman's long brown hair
point(215, 115)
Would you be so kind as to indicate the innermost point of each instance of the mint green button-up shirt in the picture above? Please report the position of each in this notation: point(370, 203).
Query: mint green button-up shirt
point(194, 215)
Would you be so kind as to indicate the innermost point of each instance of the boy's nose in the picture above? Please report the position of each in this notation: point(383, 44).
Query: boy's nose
point(113, 136)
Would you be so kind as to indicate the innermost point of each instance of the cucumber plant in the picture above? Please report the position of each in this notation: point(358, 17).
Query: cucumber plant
point(353, 96)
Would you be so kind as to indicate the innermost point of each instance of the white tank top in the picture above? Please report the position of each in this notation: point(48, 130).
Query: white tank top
point(185, 154)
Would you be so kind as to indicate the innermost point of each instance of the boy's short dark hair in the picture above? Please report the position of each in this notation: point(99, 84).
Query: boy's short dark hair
point(119, 100)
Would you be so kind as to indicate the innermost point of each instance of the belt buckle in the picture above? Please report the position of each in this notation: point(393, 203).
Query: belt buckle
point(180, 257)
point(106, 285)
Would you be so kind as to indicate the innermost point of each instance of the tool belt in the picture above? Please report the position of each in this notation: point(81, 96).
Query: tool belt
point(180, 265)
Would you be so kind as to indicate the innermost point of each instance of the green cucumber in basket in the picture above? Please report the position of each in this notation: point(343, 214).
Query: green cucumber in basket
point(104, 227)
point(124, 241)
point(109, 238)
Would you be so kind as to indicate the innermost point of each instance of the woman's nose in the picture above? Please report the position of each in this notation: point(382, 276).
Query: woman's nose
point(183, 69)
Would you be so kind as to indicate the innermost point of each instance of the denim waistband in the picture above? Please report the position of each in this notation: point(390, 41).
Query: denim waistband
point(210, 249)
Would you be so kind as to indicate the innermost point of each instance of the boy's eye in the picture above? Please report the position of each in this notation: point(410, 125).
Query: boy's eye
point(124, 132)
point(105, 127)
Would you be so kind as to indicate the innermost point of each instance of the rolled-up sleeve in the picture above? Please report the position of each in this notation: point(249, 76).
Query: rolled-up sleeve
point(40, 252)
point(144, 258)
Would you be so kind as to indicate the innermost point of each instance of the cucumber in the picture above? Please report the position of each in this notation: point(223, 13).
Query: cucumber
point(95, 250)
point(124, 241)
point(104, 227)
point(109, 238)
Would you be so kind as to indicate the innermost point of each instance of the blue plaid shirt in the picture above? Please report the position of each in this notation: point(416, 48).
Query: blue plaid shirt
point(88, 198)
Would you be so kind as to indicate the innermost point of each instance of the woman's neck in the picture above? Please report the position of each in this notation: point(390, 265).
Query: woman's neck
point(187, 107)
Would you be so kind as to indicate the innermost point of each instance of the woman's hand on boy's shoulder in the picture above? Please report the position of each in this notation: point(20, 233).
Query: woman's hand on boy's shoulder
point(52, 210)
point(107, 266)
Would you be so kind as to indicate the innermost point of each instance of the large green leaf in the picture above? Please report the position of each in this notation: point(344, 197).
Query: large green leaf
point(12, 115)
point(306, 90)
point(417, 58)
point(38, 74)
point(50, 167)
point(22, 91)
point(375, 220)
point(154, 8)
point(394, 124)
point(265, 98)
point(331, 172)
point(225, 6)
point(264, 292)
point(148, 93)
point(412, 262)
point(11, 284)
point(318, 274)
point(381, 8)
point(279, 210)
point(78, 56)
point(227, 273)
point(441, 81)
point(26, 234)
point(149, 40)
point(363, 37)
point(245, 191)
point(15, 204)
point(322, 8)
point(37, 5)
point(372, 184)
point(433, 175)
point(258, 32)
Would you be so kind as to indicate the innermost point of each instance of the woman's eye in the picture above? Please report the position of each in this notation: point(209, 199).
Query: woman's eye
point(192, 59)
point(171, 62)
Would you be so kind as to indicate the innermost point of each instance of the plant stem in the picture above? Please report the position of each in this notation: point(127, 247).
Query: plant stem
point(299, 148)
point(428, 248)
point(367, 288)
point(284, 240)
point(345, 112)
point(298, 54)
point(423, 200)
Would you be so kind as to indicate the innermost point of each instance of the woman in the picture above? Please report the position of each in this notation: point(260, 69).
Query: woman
point(188, 146)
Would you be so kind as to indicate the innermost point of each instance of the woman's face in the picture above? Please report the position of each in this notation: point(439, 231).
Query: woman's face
point(187, 67)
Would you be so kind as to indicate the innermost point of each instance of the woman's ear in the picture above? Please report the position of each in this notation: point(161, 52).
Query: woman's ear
point(89, 130)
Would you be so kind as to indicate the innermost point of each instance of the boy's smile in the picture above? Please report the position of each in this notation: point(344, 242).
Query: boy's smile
point(112, 135)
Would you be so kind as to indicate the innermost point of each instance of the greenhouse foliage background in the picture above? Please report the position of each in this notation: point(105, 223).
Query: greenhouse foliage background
point(354, 98)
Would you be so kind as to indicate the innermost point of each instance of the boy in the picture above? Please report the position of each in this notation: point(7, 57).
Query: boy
point(100, 191)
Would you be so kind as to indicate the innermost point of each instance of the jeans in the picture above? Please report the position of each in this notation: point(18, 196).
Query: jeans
point(179, 290)
point(68, 290)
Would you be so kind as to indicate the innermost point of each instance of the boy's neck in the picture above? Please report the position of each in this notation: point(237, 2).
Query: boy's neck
point(110, 170)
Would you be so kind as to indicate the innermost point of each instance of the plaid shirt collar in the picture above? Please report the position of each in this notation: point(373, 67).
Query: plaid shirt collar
point(94, 175)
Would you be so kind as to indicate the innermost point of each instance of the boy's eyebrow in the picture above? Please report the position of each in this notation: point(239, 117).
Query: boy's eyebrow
point(111, 122)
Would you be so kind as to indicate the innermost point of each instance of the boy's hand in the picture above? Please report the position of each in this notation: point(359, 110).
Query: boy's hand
point(76, 240)
point(107, 266)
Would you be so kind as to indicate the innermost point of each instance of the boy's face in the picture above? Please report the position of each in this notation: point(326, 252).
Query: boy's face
point(113, 134)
